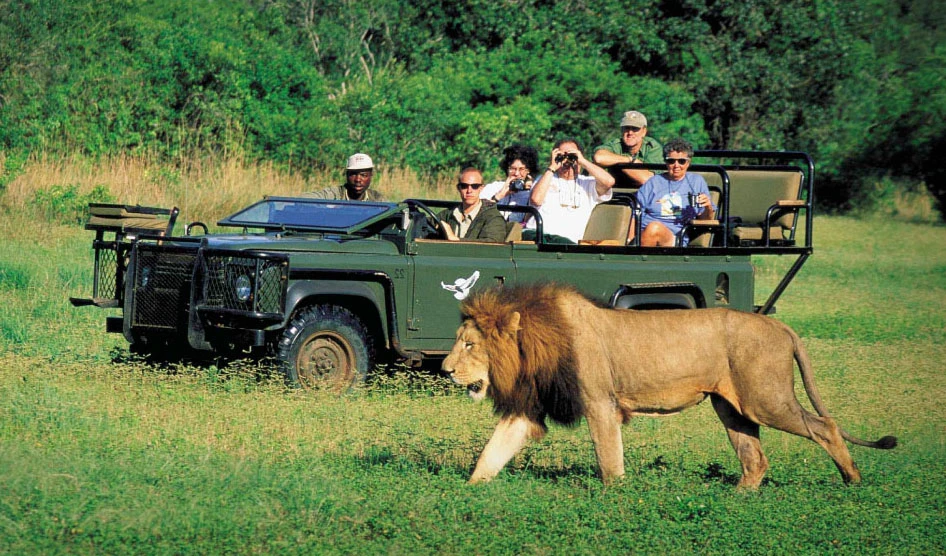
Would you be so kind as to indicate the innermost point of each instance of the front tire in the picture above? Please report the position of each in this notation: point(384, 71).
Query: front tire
point(325, 347)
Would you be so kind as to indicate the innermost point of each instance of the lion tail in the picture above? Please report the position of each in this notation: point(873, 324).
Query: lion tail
point(804, 367)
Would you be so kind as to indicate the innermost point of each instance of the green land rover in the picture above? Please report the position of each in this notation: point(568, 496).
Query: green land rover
point(332, 287)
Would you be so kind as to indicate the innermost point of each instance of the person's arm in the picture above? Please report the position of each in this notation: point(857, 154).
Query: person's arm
point(541, 187)
point(605, 158)
point(494, 228)
point(448, 232)
point(504, 190)
point(603, 180)
point(638, 177)
point(443, 226)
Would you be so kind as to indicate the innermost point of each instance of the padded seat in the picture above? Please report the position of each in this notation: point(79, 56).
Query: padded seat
point(513, 232)
point(763, 204)
point(608, 225)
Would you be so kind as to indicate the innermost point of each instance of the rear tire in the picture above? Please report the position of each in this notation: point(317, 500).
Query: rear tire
point(325, 347)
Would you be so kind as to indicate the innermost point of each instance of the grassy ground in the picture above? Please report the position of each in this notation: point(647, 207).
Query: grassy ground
point(100, 453)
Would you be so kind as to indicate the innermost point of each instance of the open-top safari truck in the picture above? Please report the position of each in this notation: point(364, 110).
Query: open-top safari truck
point(332, 287)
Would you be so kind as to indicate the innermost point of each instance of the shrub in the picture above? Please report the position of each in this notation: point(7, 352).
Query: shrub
point(64, 204)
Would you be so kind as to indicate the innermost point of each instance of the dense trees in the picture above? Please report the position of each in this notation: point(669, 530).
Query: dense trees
point(433, 84)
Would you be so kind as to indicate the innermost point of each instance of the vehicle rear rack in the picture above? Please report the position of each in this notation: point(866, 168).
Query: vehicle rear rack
point(126, 223)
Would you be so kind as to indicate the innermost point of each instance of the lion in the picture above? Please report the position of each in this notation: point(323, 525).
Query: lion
point(547, 351)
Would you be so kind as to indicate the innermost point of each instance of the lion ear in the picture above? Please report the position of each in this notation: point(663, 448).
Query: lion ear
point(511, 326)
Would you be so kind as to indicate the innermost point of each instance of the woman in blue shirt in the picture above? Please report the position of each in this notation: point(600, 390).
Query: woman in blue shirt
point(669, 201)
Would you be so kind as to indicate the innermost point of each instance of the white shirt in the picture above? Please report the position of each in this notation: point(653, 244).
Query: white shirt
point(568, 205)
point(491, 189)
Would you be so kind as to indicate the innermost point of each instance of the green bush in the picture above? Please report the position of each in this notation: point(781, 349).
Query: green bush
point(64, 204)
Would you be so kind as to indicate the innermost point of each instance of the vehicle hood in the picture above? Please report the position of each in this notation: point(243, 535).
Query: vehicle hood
point(309, 243)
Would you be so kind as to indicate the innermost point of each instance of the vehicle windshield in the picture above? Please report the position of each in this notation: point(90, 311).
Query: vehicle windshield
point(309, 214)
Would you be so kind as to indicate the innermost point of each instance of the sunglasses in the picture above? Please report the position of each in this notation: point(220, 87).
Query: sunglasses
point(680, 161)
point(474, 186)
point(632, 128)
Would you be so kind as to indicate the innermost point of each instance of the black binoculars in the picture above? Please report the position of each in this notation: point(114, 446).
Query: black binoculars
point(571, 157)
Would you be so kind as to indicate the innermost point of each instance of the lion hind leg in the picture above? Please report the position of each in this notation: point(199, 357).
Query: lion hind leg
point(823, 430)
point(827, 434)
point(510, 436)
point(744, 437)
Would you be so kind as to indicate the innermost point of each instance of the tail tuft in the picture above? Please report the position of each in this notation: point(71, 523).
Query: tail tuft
point(887, 443)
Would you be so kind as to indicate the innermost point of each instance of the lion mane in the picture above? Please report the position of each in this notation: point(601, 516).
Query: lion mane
point(532, 372)
point(546, 350)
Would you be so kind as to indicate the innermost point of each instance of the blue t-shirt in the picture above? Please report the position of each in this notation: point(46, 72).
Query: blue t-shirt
point(520, 198)
point(666, 201)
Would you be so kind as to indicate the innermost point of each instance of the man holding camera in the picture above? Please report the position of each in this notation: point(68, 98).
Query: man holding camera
point(632, 147)
point(358, 175)
point(564, 197)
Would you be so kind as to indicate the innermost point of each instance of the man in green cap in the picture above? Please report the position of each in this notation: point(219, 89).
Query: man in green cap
point(632, 147)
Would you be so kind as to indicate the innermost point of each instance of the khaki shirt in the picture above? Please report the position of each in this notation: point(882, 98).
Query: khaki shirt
point(340, 193)
point(464, 220)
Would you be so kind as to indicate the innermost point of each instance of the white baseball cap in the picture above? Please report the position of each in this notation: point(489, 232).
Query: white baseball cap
point(360, 161)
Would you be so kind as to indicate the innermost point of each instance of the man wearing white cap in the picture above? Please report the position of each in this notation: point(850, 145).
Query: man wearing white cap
point(357, 182)
point(632, 147)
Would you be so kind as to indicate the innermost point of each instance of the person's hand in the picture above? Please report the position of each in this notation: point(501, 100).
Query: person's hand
point(702, 201)
point(553, 165)
point(448, 232)
point(582, 161)
point(505, 189)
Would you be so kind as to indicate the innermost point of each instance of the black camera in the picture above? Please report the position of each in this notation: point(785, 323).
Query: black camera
point(517, 185)
point(571, 157)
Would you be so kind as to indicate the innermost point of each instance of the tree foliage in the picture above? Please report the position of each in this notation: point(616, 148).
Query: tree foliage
point(434, 84)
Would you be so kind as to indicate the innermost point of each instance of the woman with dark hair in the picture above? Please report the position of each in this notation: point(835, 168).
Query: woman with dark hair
point(520, 163)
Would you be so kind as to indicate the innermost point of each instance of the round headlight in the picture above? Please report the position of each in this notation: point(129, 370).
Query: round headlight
point(244, 287)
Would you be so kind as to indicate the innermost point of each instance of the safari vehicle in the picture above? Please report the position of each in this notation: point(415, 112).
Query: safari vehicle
point(330, 287)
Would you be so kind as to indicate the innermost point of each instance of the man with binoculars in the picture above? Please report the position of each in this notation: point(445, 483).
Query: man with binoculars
point(564, 197)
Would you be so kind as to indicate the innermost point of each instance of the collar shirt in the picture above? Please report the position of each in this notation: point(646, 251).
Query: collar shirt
point(464, 220)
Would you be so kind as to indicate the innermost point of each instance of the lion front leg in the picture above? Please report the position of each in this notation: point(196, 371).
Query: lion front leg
point(510, 436)
point(604, 423)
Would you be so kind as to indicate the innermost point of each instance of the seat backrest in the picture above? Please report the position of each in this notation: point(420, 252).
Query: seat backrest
point(752, 192)
point(608, 222)
point(513, 232)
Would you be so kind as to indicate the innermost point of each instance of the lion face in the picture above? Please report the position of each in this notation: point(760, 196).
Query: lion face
point(468, 362)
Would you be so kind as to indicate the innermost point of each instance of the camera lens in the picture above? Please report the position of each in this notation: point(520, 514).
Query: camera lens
point(517, 185)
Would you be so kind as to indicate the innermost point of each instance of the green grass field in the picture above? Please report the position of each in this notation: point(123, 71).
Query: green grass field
point(103, 454)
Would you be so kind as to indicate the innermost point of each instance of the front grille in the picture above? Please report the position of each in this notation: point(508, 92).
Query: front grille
point(252, 283)
point(162, 286)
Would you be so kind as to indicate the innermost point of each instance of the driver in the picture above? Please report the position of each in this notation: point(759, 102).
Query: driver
point(475, 219)
point(357, 185)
